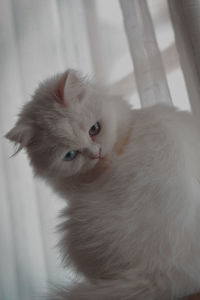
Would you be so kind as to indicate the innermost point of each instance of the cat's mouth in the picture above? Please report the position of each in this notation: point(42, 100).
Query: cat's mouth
point(98, 155)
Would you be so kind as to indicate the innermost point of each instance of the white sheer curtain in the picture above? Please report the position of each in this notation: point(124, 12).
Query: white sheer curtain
point(186, 19)
point(37, 39)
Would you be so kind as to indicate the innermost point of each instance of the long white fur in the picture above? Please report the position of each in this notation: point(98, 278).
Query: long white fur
point(132, 228)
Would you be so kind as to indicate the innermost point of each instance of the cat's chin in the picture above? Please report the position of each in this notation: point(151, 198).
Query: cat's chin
point(91, 165)
point(99, 167)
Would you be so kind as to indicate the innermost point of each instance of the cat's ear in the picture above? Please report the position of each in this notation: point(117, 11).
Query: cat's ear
point(71, 87)
point(21, 134)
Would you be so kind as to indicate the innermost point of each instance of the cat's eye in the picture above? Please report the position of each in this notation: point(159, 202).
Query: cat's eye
point(95, 129)
point(70, 155)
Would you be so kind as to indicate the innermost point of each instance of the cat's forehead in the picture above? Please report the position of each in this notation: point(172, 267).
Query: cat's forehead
point(70, 135)
point(65, 121)
point(81, 115)
point(72, 125)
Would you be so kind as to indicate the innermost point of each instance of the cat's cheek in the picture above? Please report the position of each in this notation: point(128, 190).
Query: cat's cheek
point(107, 137)
point(76, 166)
point(88, 165)
point(83, 164)
point(65, 168)
point(107, 142)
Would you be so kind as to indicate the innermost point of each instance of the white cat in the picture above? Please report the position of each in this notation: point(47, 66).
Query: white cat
point(131, 179)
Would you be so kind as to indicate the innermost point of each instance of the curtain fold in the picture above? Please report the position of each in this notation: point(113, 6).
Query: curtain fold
point(149, 72)
point(185, 17)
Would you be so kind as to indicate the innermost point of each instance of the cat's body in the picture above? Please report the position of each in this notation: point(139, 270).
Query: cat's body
point(133, 218)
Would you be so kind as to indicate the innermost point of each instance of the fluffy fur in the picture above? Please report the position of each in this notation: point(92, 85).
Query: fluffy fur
point(132, 222)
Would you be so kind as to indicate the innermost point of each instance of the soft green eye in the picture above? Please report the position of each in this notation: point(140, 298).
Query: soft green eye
point(70, 155)
point(95, 129)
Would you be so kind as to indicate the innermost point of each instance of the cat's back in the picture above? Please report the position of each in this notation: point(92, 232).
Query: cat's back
point(161, 158)
point(159, 173)
point(163, 137)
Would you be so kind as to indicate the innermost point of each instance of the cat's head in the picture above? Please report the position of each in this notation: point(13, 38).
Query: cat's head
point(68, 126)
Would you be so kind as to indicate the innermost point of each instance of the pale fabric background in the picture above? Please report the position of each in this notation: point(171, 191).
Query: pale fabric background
point(37, 39)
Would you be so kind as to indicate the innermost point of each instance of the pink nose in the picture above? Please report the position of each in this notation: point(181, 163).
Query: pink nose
point(97, 156)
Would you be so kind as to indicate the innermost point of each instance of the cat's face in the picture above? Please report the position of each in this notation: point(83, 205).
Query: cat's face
point(67, 128)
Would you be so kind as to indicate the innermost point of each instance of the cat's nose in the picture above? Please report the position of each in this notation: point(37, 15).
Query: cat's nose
point(93, 153)
point(96, 156)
